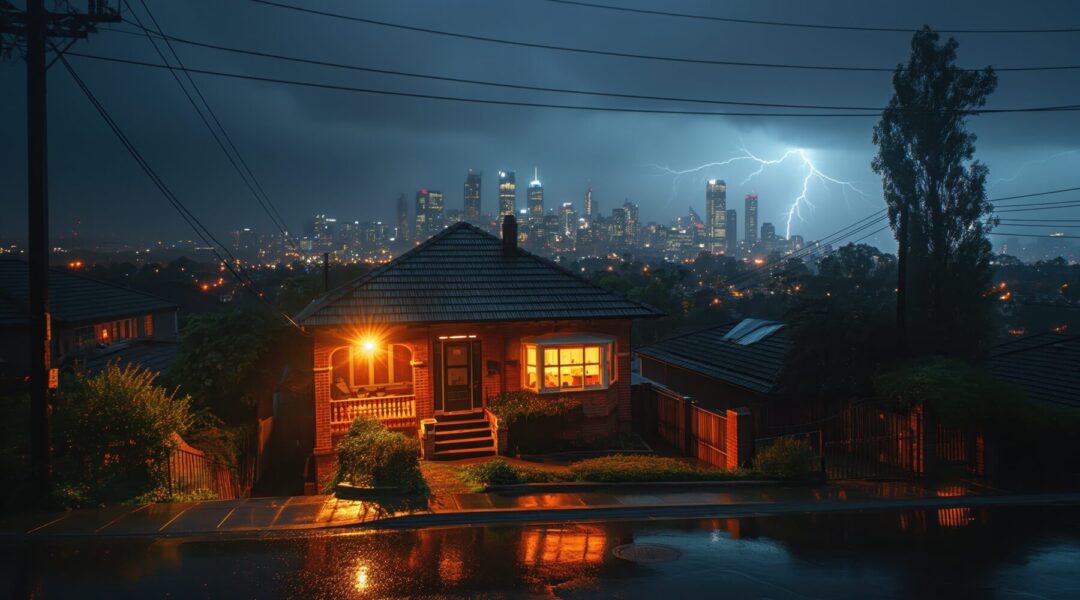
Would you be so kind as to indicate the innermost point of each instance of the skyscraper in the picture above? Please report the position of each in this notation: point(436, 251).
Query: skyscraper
point(430, 218)
point(420, 230)
point(618, 226)
point(507, 194)
point(631, 223)
point(402, 218)
point(472, 197)
point(732, 233)
point(536, 201)
point(768, 237)
point(567, 220)
point(751, 220)
point(588, 205)
point(716, 216)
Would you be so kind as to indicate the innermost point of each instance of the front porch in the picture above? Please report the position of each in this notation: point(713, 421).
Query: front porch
point(394, 412)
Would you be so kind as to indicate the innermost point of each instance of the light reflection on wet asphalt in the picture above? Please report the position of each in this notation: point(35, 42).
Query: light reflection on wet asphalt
point(959, 553)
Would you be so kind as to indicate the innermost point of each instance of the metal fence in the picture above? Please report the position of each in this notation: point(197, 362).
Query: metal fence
point(191, 473)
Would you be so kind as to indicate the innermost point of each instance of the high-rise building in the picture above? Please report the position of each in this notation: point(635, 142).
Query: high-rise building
point(631, 223)
point(402, 218)
point(472, 197)
point(768, 237)
point(536, 201)
point(507, 194)
point(751, 220)
point(430, 218)
point(716, 216)
point(618, 226)
point(732, 233)
point(567, 220)
point(589, 208)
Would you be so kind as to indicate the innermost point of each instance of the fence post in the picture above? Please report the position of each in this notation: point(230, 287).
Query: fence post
point(688, 425)
point(739, 437)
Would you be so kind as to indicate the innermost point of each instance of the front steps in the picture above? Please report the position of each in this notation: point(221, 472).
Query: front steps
point(466, 435)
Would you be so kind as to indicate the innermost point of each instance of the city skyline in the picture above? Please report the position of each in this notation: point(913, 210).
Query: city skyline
point(352, 154)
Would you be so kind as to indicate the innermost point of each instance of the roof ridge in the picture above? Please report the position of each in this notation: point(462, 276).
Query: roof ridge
point(339, 291)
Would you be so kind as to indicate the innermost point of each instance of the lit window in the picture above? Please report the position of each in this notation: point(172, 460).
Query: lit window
point(359, 373)
point(566, 363)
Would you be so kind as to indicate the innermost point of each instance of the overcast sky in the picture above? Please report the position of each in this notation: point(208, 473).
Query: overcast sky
point(349, 154)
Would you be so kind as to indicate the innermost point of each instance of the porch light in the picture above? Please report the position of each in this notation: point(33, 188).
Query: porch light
point(368, 344)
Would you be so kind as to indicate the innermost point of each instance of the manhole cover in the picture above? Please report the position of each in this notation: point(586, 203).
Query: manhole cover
point(646, 553)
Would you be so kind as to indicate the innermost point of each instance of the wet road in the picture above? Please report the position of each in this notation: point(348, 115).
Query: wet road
point(952, 552)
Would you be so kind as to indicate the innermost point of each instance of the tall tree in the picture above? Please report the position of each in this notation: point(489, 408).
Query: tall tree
point(936, 195)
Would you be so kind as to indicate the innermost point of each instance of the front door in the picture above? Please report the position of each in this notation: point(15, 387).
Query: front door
point(459, 375)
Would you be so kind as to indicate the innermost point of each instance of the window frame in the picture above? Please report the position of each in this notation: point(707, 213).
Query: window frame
point(535, 361)
point(358, 391)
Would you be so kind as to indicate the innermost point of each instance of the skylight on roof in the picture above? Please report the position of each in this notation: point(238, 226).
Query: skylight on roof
point(751, 331)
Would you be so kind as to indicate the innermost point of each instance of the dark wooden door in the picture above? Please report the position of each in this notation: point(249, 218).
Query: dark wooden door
point(457, 376)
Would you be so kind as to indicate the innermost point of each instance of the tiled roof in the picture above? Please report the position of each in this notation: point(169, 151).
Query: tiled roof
point(755, 367)
point(1046, 365)
point(460, 274)
point(158, 357)
point(72, 298)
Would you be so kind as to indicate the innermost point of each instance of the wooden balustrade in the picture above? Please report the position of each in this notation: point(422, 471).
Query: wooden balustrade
point(391, 410)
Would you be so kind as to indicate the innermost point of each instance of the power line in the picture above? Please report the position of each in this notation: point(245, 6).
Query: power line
point(252, 184)
point(1033, 235)
point(496, 84)
point(676, 59)
point(185, 213)
point(1047, 193)
point(488, 101)
point(662, 13)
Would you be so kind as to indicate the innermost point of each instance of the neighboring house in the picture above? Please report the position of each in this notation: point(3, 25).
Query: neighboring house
point(92, 322)
point(736, 365)
point(444, 328)
point(1045, 365)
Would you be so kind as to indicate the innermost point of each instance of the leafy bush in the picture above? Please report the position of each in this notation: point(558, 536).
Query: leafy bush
point(787, 459)
point(536, 423)
point(15, 453)
point(113, 435)
point(500, 472)
point(372, 455)
point(621, 468)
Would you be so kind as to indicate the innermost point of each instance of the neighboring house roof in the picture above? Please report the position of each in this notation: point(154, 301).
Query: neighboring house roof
point(1046, 365)
point(72, 298)
point(156, 356)
point(460, 274)
point(755, 366)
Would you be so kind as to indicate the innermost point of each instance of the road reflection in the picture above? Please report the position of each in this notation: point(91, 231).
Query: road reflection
point(951, 551)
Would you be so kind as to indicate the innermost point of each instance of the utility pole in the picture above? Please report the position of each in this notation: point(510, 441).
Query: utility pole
point(903, 236)
point(37, 26)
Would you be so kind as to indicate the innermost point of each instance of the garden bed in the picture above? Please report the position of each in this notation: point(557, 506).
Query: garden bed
point(615, 469)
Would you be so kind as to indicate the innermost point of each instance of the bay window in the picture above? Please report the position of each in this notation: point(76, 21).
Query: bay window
point(568, 363)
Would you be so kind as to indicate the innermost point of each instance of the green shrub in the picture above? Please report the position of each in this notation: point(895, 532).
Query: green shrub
point(500, 472)
point(372, 455)
point(788, 459)
point(535, 423)
point(628, 468)
point(113, 433)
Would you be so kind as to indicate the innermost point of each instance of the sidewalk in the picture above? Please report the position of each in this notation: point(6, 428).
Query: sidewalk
point(264, 516)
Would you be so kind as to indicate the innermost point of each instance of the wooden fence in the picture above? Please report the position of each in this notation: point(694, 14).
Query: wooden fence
point(680, 423)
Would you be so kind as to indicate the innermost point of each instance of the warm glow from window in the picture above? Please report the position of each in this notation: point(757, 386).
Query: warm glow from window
point(564, 366)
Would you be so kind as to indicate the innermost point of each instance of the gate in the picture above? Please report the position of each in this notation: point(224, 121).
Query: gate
point(872, 443)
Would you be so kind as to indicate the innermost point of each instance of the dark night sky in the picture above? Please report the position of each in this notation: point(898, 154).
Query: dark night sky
point(349, 154)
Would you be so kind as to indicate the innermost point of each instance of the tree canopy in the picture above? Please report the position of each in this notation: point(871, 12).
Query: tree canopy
point(926, 161)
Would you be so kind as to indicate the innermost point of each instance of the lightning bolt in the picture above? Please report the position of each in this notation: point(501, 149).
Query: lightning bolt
point(801, 201)
point(1028, 163)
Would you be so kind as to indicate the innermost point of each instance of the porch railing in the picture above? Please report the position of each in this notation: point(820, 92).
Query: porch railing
point(390, 410)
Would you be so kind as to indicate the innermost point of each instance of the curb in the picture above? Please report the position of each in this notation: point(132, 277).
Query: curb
point(669, 512)
point(638, 486)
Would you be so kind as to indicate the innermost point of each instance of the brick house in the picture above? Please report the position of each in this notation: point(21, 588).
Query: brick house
point(92, 322)
point(444, 328)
